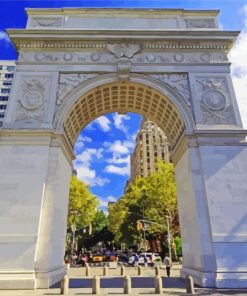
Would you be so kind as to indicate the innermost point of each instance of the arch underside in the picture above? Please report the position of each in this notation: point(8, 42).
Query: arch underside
point(123, 97)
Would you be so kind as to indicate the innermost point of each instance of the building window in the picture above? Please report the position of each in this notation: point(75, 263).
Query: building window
point(7, 83)
point(3, 98)
point(148, 160)
point(5, 90)
point(11, 68)
point(2, 107)
point(148, 154)
point(155, 154)
point(9, 75)
point(1, 115)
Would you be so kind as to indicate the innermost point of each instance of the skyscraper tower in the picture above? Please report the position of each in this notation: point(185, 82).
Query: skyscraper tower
point(151, 144)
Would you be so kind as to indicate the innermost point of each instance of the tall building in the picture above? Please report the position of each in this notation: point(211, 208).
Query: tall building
point(151, 143)
point(7, 69)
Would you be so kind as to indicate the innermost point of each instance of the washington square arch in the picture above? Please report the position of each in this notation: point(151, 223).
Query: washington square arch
point(75, 65)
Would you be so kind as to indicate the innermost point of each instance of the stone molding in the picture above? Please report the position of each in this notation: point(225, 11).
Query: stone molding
point(37, 138)
point(151, 56)
point(230, 137)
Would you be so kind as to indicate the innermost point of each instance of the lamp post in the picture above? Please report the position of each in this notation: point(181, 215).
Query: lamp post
point(73, 230)
point(169, 236)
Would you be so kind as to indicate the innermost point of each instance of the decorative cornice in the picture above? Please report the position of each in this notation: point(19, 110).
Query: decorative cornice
point(170, 45)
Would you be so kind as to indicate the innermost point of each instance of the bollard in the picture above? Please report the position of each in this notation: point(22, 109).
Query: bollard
point(139, 270)
point(123, 271)
point(158, 285)
point(105, 270)
point(157, 270)
point(127, 285)
point(87, 269)
point(96, 285)
point(64, 285)
point(189, 284)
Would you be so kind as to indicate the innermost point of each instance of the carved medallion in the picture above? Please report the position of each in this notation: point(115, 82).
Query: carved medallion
point(31, 104)
point(32, 100)
point(214, 100)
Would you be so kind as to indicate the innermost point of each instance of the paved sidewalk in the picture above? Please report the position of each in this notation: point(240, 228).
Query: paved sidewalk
point(144, 285)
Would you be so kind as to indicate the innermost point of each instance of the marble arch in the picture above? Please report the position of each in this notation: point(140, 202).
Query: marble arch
point(75, 64)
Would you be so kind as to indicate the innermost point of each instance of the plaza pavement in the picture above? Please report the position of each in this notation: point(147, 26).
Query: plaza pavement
point(172, 286)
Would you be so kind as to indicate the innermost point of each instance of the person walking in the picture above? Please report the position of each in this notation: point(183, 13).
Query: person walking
point(136, 260)
point(168, 264)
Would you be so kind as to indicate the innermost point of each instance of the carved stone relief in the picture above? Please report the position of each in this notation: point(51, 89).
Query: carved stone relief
point(200, 23)
point(104, 57)
point(69, 81)
point(179, 83)
point(215, 103)
point(46, 22)
point(124, 50)
point(32, 102)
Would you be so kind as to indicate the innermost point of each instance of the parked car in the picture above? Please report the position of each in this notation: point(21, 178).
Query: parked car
point(157, 258)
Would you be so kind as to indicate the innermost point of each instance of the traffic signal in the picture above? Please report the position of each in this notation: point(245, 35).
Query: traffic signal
point(138, 225)
point(90, 229)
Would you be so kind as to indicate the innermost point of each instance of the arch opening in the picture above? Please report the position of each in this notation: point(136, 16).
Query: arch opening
point(123, 97)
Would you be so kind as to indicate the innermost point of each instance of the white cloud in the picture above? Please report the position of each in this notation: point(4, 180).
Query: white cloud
point(118, 122)
point(83, 164)
point(238, 57)
point(104, 201)
point(104, 123)
point(80, 142)
point(88, 154)
point(119, 160)
point(119, 147)
point(122, 171)
point(4, 37)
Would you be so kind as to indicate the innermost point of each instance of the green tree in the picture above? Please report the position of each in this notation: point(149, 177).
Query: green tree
point(100, 221)
point(82, 204)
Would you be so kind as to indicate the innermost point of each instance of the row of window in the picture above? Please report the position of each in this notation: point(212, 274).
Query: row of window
point(9, 68)
point(7, 83)
point(7, 75)
point(3, 98)
point(5, 90)
point(3, 107)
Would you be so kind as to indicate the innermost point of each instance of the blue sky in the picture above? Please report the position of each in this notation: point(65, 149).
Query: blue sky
point(104, 146)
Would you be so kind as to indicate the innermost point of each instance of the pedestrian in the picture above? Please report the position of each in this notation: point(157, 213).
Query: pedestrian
point(136, 260)
point(145, 261)
point(168, 264)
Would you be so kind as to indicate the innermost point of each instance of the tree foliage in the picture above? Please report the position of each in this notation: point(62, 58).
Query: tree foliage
point(82, 204)
point(152, 198)
point(100, 221)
